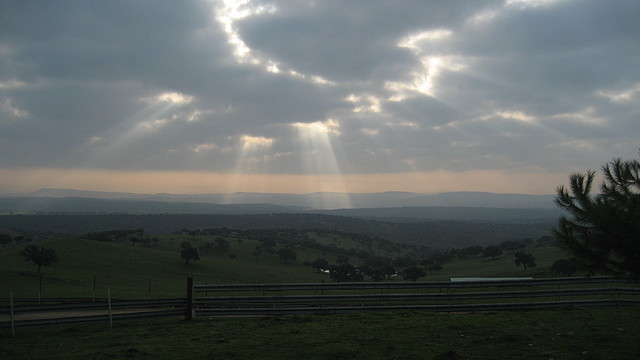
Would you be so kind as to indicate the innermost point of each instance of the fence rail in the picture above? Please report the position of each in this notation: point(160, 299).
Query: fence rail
point(440, 308)
point(329, 298)
point(408, 285)
point(502, 294)
point(79, 310)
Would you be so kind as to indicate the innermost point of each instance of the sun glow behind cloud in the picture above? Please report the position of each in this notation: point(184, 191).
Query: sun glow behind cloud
point(232, 11)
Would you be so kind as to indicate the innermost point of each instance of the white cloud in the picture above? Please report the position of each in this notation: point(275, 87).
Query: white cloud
point(11, 111)
point(621, 96)
point(170, 97)
point(326, 127)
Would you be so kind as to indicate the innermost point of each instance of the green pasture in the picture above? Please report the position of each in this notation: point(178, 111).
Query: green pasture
point(139, 272)
point(129, 271)
point(573, 333)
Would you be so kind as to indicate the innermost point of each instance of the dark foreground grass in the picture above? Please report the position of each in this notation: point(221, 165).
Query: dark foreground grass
point(575, 333)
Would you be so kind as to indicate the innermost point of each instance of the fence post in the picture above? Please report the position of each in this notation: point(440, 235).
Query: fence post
point(189, 312)
point(40, 289)
point(110, 312)
point(13, 328)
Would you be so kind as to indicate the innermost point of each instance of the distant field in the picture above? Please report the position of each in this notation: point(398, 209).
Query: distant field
point(158, 272)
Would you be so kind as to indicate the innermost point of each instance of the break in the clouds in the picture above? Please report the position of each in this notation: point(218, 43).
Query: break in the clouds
point(319, 87)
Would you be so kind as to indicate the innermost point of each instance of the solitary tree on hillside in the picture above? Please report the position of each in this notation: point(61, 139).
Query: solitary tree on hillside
point(188, 252)
point(603, 230)
point(39, 255)
point(525, 259)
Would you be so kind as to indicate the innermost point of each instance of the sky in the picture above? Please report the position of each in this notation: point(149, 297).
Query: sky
point(300, 96)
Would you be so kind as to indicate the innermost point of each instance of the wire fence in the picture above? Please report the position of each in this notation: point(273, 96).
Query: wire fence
point(327, 298)
point(446, 296)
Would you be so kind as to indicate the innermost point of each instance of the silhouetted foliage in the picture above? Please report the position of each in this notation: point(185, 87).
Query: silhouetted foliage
point(378, 268)
point(413, 273)
point(345, 272)
point(404, 261)
point(470, 251)
point(320, 264)
point(342, 259)
point(434, 267)
point(5, 239)
point(188, 252)
point(112, 235)
point(565, 267)
point(39, 255)
point(510, 245)
point(527, 260)
point(287, 254)
point(603, 229)
point(492, 251)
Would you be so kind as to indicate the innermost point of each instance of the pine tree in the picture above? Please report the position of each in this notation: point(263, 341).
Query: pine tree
point(603, 233)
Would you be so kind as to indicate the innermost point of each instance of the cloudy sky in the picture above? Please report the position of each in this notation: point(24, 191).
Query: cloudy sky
point(205, 96)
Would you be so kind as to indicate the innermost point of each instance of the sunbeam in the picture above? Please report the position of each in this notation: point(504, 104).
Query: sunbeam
point(318, 157)
point(253, 158)
point(160, 110)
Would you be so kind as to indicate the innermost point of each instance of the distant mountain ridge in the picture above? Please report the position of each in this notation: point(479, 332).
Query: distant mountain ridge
point(321, 200)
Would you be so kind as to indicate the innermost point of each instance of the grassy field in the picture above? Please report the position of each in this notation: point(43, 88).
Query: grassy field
point(138, 272)
point(575, 333)
point(590, 333)
point(128, 270)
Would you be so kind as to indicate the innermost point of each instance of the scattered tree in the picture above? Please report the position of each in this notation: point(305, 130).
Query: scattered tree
point(404, 262)
point(510, 245)
point(345, 272)
point(342, 259)
point(188, 252)
point(492, 251)
point(602, 232)
point(378, 268)
point(471, 251)
point(39, 255)
point(5, 239)
point(565, 267)
point(434, 267)
point(221, 243)
point(320, 264)
point(525, 259)
point(287, 254)
point(413, 273)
